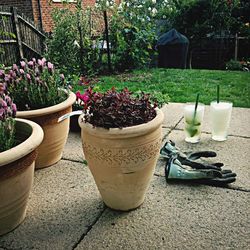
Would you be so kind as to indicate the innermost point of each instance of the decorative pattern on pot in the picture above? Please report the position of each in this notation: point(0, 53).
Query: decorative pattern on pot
point(16, 174)
point(55, 134)
point(128, 159)
point(122, 161)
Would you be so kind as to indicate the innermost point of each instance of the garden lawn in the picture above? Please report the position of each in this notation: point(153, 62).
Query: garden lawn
point(183, 85)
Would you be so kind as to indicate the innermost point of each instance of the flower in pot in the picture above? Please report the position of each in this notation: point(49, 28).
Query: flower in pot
point(19, 139)
point(83, 84)
point(121, 137)
point(40, 94)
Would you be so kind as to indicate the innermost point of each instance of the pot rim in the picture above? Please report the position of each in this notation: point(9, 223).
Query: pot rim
point(126, 132)
point(49, 110)
point(24, 148)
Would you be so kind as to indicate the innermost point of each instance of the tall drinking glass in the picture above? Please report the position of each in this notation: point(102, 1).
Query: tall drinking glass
point(193, 121)
point(220, 119)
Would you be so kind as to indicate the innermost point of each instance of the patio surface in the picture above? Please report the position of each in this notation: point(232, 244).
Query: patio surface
point(65, 210)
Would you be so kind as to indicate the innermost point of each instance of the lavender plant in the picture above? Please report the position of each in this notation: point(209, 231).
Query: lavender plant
point(34, 84)
point(7, 121)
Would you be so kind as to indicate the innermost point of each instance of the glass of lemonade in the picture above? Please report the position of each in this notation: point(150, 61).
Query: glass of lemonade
point(193, 121)
point(220, 115)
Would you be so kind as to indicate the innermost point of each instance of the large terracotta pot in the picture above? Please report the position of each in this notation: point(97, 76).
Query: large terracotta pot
point(16, 174)
point(122, 161)
point(55, 134)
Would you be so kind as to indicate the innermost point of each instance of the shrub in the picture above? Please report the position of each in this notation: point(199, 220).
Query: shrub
point(233, 65)
point(65, 43)
point(132, 34)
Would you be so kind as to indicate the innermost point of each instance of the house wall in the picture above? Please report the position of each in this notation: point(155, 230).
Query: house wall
point(23, 6)
point(30, 8)
point(47, 7)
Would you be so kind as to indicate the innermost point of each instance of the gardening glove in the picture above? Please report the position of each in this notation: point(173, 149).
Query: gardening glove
point(175, 170)
point(169, 150)
point(183, 166)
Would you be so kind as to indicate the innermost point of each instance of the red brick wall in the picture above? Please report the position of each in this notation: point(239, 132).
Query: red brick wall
point(23, 6)
point(48, 5)
point(30, 8)
point(36, 13)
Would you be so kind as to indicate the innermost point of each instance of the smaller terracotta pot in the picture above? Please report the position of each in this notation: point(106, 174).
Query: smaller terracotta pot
point(122, 161)
point(55, 134)
point(17, 173)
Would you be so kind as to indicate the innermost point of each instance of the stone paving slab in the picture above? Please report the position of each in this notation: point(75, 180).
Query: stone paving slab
point(234, 153)
point(173, 113)
point(176, 217)
point(73, 148)
point(65, 210)
point(239, 125)
point(62, 205)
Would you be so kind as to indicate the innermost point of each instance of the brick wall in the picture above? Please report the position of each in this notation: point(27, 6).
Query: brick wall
point(30, 8)
point(47, 7)
point(36, 12)
point(23, 6)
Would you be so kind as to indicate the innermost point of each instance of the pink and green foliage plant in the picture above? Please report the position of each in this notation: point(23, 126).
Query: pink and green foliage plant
point(7, 121)
point(34, 84)
point(83, 84)
point(117, 109)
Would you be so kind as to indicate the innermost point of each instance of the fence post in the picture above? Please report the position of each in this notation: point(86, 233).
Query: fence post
point(236, 48)
point(107, 38)
point(17, 33)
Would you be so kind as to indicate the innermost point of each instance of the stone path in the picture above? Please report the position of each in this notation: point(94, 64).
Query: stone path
point(65, 210)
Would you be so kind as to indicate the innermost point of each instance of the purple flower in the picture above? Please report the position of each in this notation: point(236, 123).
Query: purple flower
point(23, 64)
point(37, 79)
point(3, 103)
point(2, 75)
point(7, 78)
point(21, 71)
point(34, 60)
point(40, 63)
point(50, 67)
point(43, 61)
point(14, 109)
point(14, 67)
point(31, 64)
point(28, 77)
point(62, 77)
point(12, 74)
point(2, 87)
point(8, 100)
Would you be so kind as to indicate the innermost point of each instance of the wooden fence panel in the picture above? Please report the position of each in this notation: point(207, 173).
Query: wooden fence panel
point(19, 37)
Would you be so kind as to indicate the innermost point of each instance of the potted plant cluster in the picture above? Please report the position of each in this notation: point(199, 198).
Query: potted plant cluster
point(19, 139)
point(121, 138)
point(41, 95)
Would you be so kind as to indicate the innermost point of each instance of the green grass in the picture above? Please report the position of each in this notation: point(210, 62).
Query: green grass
point(183, 85)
